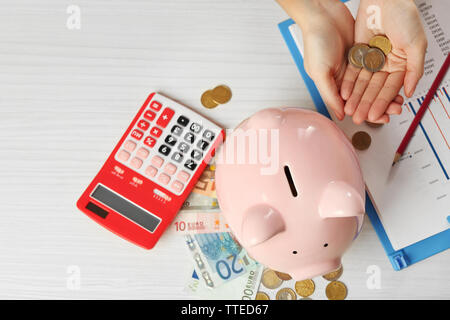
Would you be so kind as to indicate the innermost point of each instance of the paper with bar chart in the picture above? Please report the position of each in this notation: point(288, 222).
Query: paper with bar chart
point(412, 198)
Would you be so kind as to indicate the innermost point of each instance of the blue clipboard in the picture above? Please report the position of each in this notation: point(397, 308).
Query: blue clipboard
point(399, 258)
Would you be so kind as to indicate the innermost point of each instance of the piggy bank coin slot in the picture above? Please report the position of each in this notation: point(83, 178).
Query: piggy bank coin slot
point(287, 172)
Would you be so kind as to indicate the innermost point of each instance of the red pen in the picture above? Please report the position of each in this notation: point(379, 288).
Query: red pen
point(422, 109)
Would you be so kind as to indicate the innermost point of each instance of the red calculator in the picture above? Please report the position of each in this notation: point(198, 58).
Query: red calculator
point(151, 171)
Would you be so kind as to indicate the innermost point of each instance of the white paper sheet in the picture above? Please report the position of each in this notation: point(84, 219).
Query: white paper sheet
point(413, 197)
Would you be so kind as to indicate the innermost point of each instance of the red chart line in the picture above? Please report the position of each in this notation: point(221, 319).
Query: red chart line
point(439, 128)
point(443, 104)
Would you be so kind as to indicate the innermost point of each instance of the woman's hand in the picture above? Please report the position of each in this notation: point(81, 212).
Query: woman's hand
point(369, 95)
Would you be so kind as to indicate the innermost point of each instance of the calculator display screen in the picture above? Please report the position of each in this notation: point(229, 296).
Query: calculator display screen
point(126, 208)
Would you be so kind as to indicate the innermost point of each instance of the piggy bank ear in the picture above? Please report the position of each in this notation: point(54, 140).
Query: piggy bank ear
point(339, 199)
point(261, 223)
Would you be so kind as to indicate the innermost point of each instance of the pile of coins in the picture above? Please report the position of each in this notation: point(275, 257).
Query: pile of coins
point(219, 95)
point(371, 57)
point(280, 286)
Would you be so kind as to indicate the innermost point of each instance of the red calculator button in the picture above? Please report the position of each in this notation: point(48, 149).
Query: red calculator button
point(156, 132)
point(165, 117)
point(155, 105)
point(144, 125)
point(137, 134)
point(149, 141)
point(149, 115)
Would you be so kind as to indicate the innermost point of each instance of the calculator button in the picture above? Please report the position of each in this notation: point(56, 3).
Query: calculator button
point(177, 186)
point(197, 155)
point(165, 150)
point(183, 176)
point(149, 115)
point(202, 144)
point(137, 134)
point(136, 163)
point(129, 146)
point(189, 137)
point(149, 141)
point(190, 164)
point(151, 171)
point(157, 161)
point(208, 135)
point(143, 125)
point(183, 121)
point(183, 147)
point(165, 117)
point(195, 127)
point(170, 140)
point(156, 132)
point(155, 105)
point(142, 153)
point(163, 179)
point(178, 157)
point(170, 168)
point(176, 130)
point(123, 155)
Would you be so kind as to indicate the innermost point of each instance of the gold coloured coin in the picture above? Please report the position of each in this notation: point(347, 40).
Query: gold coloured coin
point(381, 42)
point(207, 100)
point(374, 60)
point(221, 94)
point(374, 125)
point(333, 275)
point(305, 288)
point(262, 296)
point(357, 53)
point(336, 290)
point(286, 294)
point(361, 140)
point(270, 279)
point(283, 276)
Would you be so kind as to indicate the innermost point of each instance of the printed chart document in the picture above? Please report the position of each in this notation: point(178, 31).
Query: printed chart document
point(412, 198)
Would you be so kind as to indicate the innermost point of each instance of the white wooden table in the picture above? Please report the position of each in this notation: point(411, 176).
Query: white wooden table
point(67, 96)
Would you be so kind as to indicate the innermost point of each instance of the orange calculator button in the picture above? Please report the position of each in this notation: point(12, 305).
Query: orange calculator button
point(149, 115)
point(137, 134)
point(149, 141)
point(157, 161)
point(165, 117)
point(155, 105)
point(144, 125)
point(156, 132)
point(123, 155)
point(163, 179)
point(129, 146)
point(136, 163)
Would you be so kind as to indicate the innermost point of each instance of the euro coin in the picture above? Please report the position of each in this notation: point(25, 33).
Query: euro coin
point(262, 296)
point(373, 60)
point(283, 276)
point(270, 279)
point(333, 275)
point(357, 53)
point(286, 294)
point(207, 100)
point(361, 140)
point(381, 42)
point(221, 94)
point(336, 290)
point(374, 125)
point(305, 288)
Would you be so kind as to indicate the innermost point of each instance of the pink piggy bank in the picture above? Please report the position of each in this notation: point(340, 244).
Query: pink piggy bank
point(290, 187)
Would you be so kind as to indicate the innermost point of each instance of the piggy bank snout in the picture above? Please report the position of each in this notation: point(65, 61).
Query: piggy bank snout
point(261, 223)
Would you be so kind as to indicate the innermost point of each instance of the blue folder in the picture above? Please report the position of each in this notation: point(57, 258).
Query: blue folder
point(399, 258)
